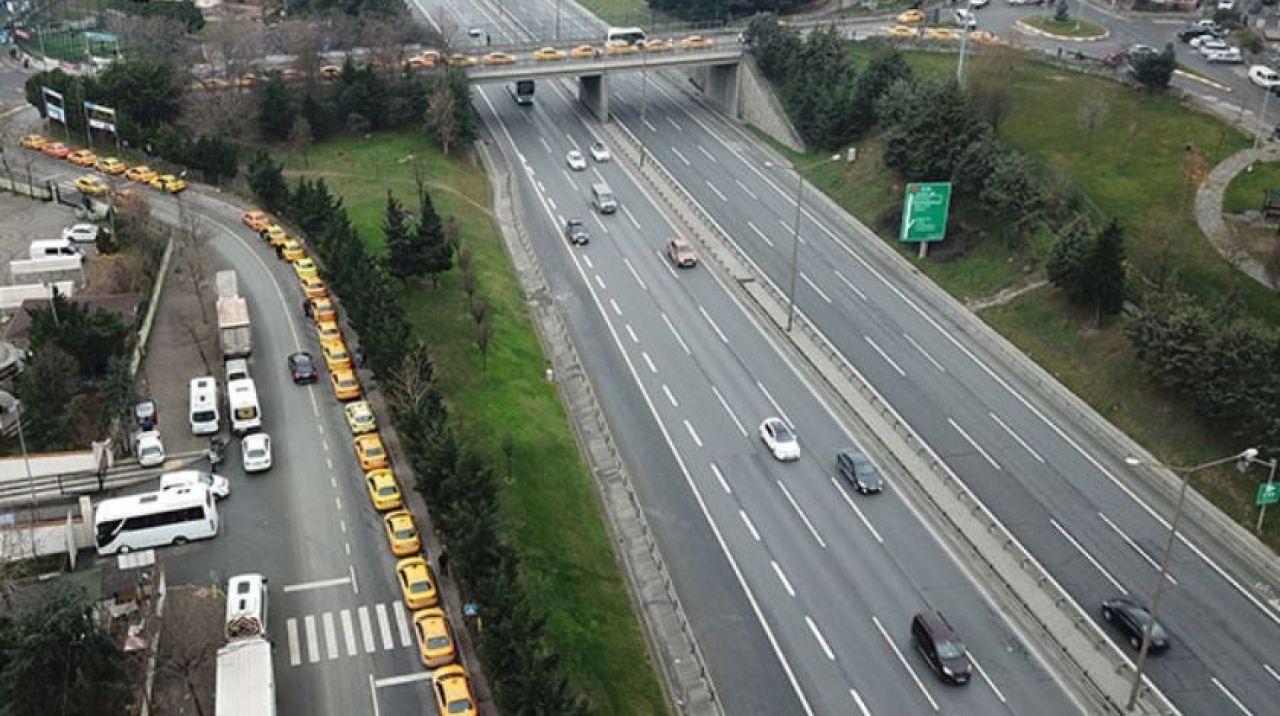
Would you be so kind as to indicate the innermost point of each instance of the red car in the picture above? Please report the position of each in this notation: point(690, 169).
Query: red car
point(57, 150)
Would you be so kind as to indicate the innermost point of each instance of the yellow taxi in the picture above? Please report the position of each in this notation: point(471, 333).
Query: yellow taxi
point(140, 173)
point(314, 287)
point(453, 691)
point(499, 58)
point(83, 158)
point(111, 165)
point(169, 183)
point(214, 83)
point(274, 234)
point(548, 54)
point(360, 418)
point(902, 32)
point(911, 17)
point(305, 267)
point(458, 59)
point(33, 141)
point(384, 491)
point(656, 45)
point(982, 37)
point(256, 219)
point(435, 638)
point(323, 310)
point(346, 386)
point(370, 452)
point(328, 331)
point(941, 33)
point(246, 80)
point(91, 184)
point(57, 150)
point(430, 58)
point(402, 533)
point(697, 42)
point(291, 250)
point(417, 585)
point(584, 52)
point(330, 72)
point(336, 355)
point(620, 47)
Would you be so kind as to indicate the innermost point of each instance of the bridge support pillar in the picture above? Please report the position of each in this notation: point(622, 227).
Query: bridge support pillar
point(719, 85)
point(593, 91)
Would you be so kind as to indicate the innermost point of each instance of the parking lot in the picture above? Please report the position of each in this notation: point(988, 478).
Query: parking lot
point(22, 221)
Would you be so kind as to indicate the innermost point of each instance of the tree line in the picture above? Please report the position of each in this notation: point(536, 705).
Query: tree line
point(457, 481)
point(722, 9)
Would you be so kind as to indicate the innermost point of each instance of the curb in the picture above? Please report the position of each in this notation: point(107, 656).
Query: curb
point(1023, 27)
point(1202, 80)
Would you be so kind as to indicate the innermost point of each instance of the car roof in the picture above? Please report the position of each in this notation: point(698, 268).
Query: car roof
point(937, 625)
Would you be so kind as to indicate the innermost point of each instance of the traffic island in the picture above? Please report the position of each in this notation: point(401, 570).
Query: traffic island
point(1069, 30)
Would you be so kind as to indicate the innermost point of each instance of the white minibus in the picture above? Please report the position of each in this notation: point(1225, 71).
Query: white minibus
point(204, 405)
point(154, 519)
point(242, 396)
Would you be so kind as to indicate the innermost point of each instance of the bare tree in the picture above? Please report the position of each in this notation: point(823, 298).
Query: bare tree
point(386, 39)
point(303, 137)
point(220, 112)
point(157, 37)
point(441, 116)
point(189, 639)
point(232, 45)
point(442, 37)
point(304, 41)
point(412, 382)
point(192, 259)
point(483, 334)
point(1093, 112)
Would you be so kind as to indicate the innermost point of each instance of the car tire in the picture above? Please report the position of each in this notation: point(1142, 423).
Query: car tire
point(179, 541)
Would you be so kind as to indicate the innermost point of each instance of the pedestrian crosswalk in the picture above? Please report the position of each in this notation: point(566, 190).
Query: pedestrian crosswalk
point(347, 632)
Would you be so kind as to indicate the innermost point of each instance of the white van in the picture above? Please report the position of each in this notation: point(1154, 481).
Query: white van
point(242, 396)
point(204, 405)
point(246, 606)
point(237, 368)
point(51, 248)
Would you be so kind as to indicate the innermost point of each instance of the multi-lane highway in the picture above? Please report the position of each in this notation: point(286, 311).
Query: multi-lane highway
point(1062, 492)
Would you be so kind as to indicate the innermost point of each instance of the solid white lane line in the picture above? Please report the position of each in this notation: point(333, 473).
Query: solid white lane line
point(974, 444)
point(769, 397)
point(903, 660)
point(782, 578)
point(804, 277)
point(1016, 437)
point(318, 584)
point(676, 333)
point(759, 233)
point(295, 653)
point(313, 639)
point(627, 211)
point(1134, 545)
point(983, 673)
point(672, 121)
point(725, 404)
point(600, 282)
point(349, 633)
point(849, 283)
point(402, 680)
point(750, 527)
point(384, 626)
point(862, 707)
point(632, 333)
point(1080, 548)
point(885, 356)
point(402, 623)
point(723, 484)
point(831, 656)
point(330, 636)
point(681, 157)
point(1274, 674)
point(744, 188)
point(366, 630)
point(803, 517)
point(925, 353)
point(670, 397)
point(692, 433)
point(616, 308)
point(849, 501)
point(1238, 704)
point(707, 154)
point(714, 327)
point(653, 368)
point(649, 124)
point(636, 276)
point(713, 188)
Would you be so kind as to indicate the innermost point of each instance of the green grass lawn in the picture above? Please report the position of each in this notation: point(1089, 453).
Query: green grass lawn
point(1130, 169)
point(1072, 27)
point(1247, 191)
point(551, 510)
point(628, 13)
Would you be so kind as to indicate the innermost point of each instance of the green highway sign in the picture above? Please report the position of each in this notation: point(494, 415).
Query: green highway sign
point(924, 211)
point(1268, 494)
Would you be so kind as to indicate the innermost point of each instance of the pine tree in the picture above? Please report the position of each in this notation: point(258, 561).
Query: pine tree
point(276, 109)
point(406, 255)
point(1068, 267)
point(438, 256)
point(266, 179)
point(1106, 272)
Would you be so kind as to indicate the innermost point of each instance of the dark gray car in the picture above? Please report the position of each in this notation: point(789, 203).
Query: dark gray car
point(858, 471)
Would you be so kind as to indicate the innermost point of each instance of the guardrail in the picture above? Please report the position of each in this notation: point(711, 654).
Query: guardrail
point(53, 488)
point(1025, 585)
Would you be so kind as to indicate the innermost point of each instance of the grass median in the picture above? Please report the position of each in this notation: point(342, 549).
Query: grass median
point(1071, 28)
point(550, 508)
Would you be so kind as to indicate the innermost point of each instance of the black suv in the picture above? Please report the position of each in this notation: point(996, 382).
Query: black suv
point(940, 646)
point(1131, 618)
point(1190, 32)
point(858, 471)
point(575, 232)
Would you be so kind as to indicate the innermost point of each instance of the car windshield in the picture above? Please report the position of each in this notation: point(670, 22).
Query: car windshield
point(373, 451)
point(387, 491)
point(950, 650)
point(420, 587)
point(405, 534)
point(783, 433)
point(460, 706)
point(256, 453)
point(863, 468)
point(438, 642)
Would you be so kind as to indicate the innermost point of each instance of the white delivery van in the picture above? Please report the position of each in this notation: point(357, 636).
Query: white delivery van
point(242, 396)
point(246, 606)
point(237, 368)
point(204, 405)
point(51, 248)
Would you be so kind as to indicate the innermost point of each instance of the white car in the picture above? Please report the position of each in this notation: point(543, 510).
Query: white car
point(975, 4)
point(149, 449)
point(1264, 76)
point(1226, 4)
point(600, 152)
point(966, 19)
point(84, 233)
point(1229, 56)
point(1208, 43)
point(217, 484)
point(255, 452)
point(780, 439)
point(576, 161)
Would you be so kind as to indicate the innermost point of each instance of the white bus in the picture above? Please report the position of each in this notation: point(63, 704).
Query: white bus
point(204, 405)
point(629, 35)
point(154, 519)
point(242, 396)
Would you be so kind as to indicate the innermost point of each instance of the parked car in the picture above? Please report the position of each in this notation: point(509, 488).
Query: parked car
point(217, 484)
point(149, 449)
point(941, 648)
point(858, 470)
point(1260, 75)
point(1130, 618)
point(966, 18)
point(1209, 43)
point(81, 233)
point(1229, 56)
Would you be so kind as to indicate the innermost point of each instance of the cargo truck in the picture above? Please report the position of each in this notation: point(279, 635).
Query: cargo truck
point(246, 684)
point(234, 331)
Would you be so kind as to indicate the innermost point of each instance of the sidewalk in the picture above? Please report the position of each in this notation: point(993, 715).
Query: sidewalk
point(1209, 211)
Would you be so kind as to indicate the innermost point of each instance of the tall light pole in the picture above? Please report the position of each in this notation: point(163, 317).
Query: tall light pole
point(795, 235)
point(557, 20)
point(964, 45)
point(1262, 119)
point(1244, 458)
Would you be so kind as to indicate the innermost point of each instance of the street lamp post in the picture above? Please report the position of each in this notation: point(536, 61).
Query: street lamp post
point(1262, 119)
point(795, 236)
point(1243, 457)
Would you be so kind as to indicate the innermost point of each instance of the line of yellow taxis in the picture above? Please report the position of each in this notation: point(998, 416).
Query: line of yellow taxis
point(430, 59)
point(436, 644)
point(93, 184)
